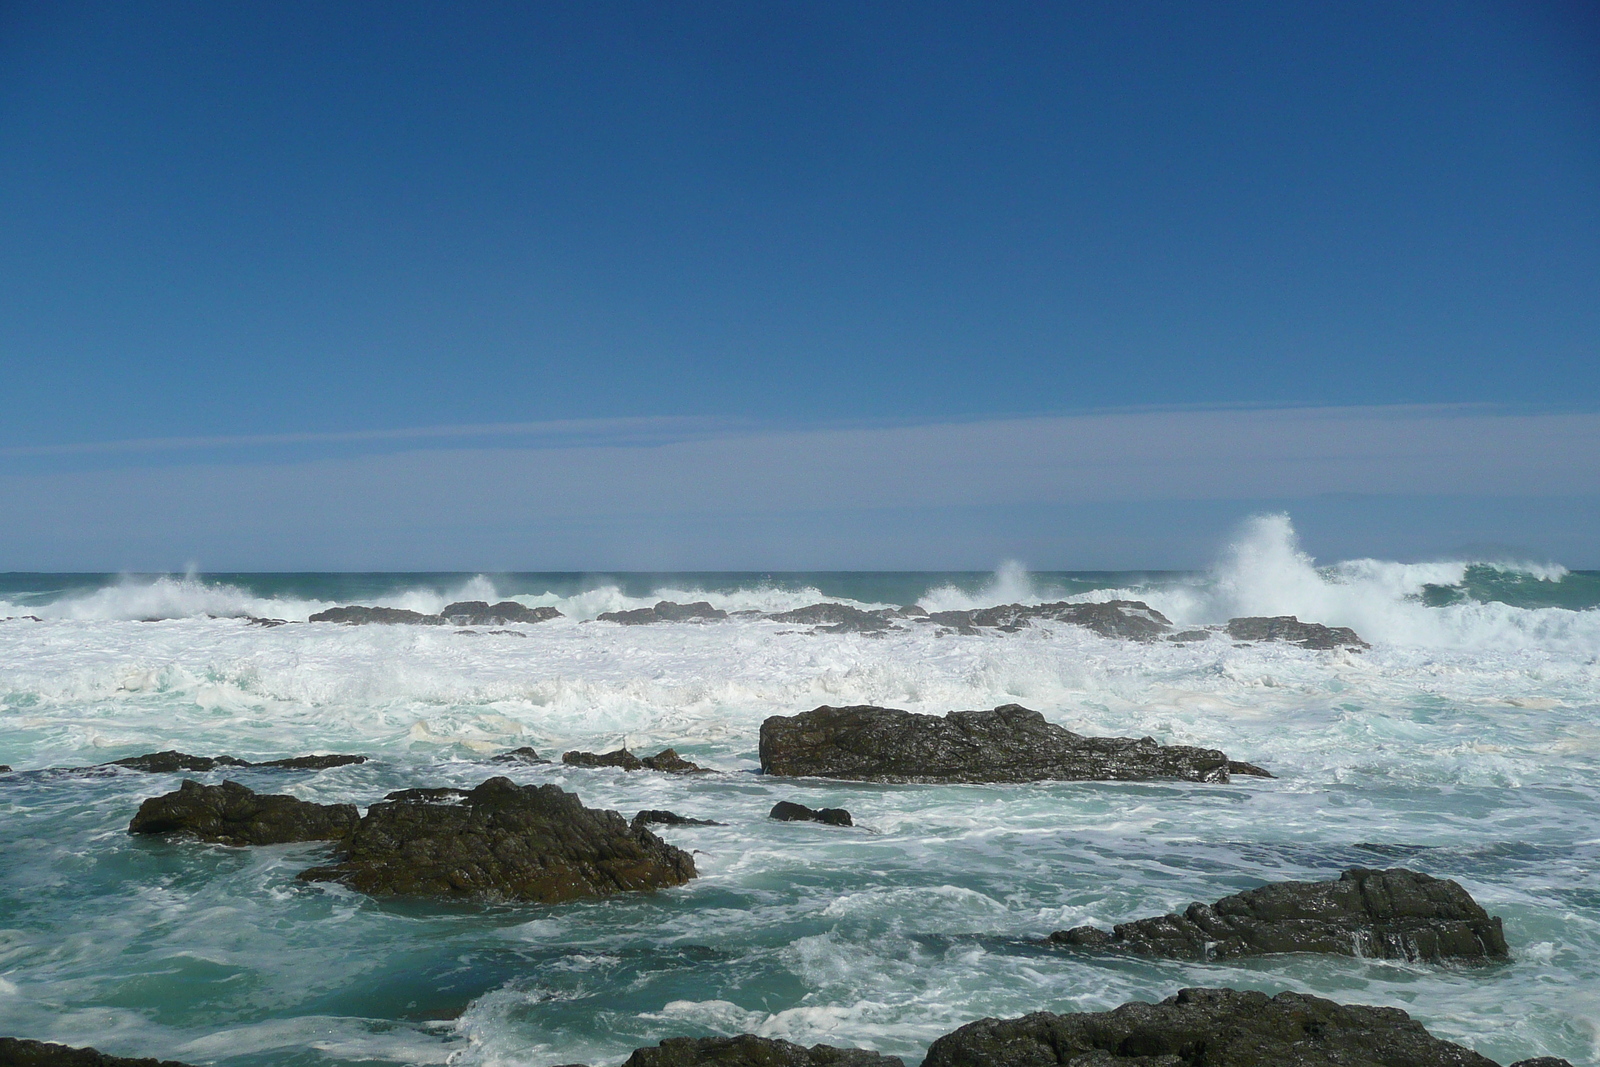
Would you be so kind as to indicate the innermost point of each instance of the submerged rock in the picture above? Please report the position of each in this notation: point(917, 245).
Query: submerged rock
point(1289, 629)
point(666, 760)
point(501, 841)
point(835, 618)
point(663, 611)
point(482, 613)
point(231, 814)
point(1131, 619)
point(15, 1052)
point(657, 817)
point(789, 811)
point(1206, 1028)
point(748, 1050)
point(1393, 914)
point(1008, 744)
point(525, 754)
point(171, 761)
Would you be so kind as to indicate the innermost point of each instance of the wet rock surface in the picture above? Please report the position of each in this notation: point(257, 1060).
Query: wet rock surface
point(1291, 630)
point(501, 841)
point(16, 1052)
point(1008, 744)
point(663, 611)
point(1131, 619)
point(835, 618)
point(482, 613)
point(1393, 914)
point(356, 615)
point(171, 761)
point(748, 1050)
point(667, 760)
point(525, 754)
point(1206, 1028)
point(657, 817)
point(231, 814)
point(789, 811)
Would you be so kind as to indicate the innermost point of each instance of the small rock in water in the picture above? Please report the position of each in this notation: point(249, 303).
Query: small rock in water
point(669, 761)
point(15, 1052)
point(5, 768)
point(171, 761)
point(311, 763)
point(356, 615)
point(1206, 1028)
point(1290, 629)
point(482, 613)
point(748, 1050)
point(663, 611)
point(655, 816)
point(1393, 914)
point(1131, 619)
point(524, 754)
point(788, 811)
point(1008, 744)
point(501, 841)
point(620, 758)
point(835, 618)
point(231, 814)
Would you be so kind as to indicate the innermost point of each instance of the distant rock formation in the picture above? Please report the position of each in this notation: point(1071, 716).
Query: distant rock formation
point(1131, 619)
point(231, 814)
point(461, 613)
point(836, 618)
point(789, 811)
point(1008, 744)
point(1292, 631)
point(664, 611)
point(1393, 914)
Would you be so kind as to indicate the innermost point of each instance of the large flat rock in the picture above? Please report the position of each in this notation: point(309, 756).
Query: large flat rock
point(1393, 914)
point(231, 814)
point(1008, 744)
point(502, 841)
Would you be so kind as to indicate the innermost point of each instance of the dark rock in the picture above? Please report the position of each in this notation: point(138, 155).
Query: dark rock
point(620, 758)
point(664, 611)
point(835, 618)
point(230, 814)
point(482, 613)
point(788, 811)
point(170, 761)
point(1206, 1028)
point(1132, 619)
point(501, 841)
point(1290, 629)
point(5, 768)
point(518, 755)
point(507, 633)
point(670, 762)
point(748, 1050)
point(311, 763)
point(1186, 636)
point(356, 615)
point(15, 1052)
point(654, 816)
point(1393, 914)
point(1543, 1061)
point(253, 620)
point(1008, 744)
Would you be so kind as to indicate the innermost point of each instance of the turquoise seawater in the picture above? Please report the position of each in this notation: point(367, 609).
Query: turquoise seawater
point(1464, 743)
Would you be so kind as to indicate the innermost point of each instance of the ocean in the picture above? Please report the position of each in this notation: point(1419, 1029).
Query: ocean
point(1464, 743)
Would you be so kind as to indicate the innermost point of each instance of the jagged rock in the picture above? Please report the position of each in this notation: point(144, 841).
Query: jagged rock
point(1291, 630)
point(748, 1050)
point(655, 816)
point(1008, 744)
point(501, 841)
point(788, 811)
point(1393, 914)
point(835, 618)
point(482, 613)
point(666, 760)
point(231, 814)
point(1132, 619)
point(311, 763)
point(620, 758)
point(524, 754)
point(170, 761)
point(15, 1052)
point(355, 615)
point(1206, 1028)
point(664, 611)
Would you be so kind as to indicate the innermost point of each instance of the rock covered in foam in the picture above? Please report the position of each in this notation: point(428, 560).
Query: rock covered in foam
point(461, 613)
point(231, 814)
point(664, 611)
point(789, 811)
point(1290, 630)
point(502, 841)
point(1393, 914)
point(836, 618)
point(1008, 744)
point(1206, 1028)
point(748, 1050)
point(16, 1052)
point(1130, 619)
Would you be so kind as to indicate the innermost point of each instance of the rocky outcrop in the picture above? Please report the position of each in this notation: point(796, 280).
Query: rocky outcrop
point(501, 841)
point(1131, 619)
point(1291, 630)
point(1206, 1028)
point(171, 761)
point(788, 811)
point(748, 1050)
point(657, 817)
point(1393, 914)
point(835, 618)
point(482, 613)
point(356, 615)
point(1008, 744)
point(667, 760)
point(230, 814)
point(664, 611)
point(524, 754)
point(15, 1052)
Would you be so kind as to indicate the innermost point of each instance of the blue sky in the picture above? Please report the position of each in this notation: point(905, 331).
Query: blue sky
point(310, 254)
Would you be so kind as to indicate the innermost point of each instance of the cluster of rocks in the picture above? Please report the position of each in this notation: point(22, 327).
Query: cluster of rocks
point(789, 811)
point(667, 760)
point(461, 613)
point(170, 761)
point(1393, 914)
point(1009, 743)
point(500, 841)
point(1195, 1028)
point(664, 611)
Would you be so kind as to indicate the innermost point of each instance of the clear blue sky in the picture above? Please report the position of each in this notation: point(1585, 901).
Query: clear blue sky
point(244, 220)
